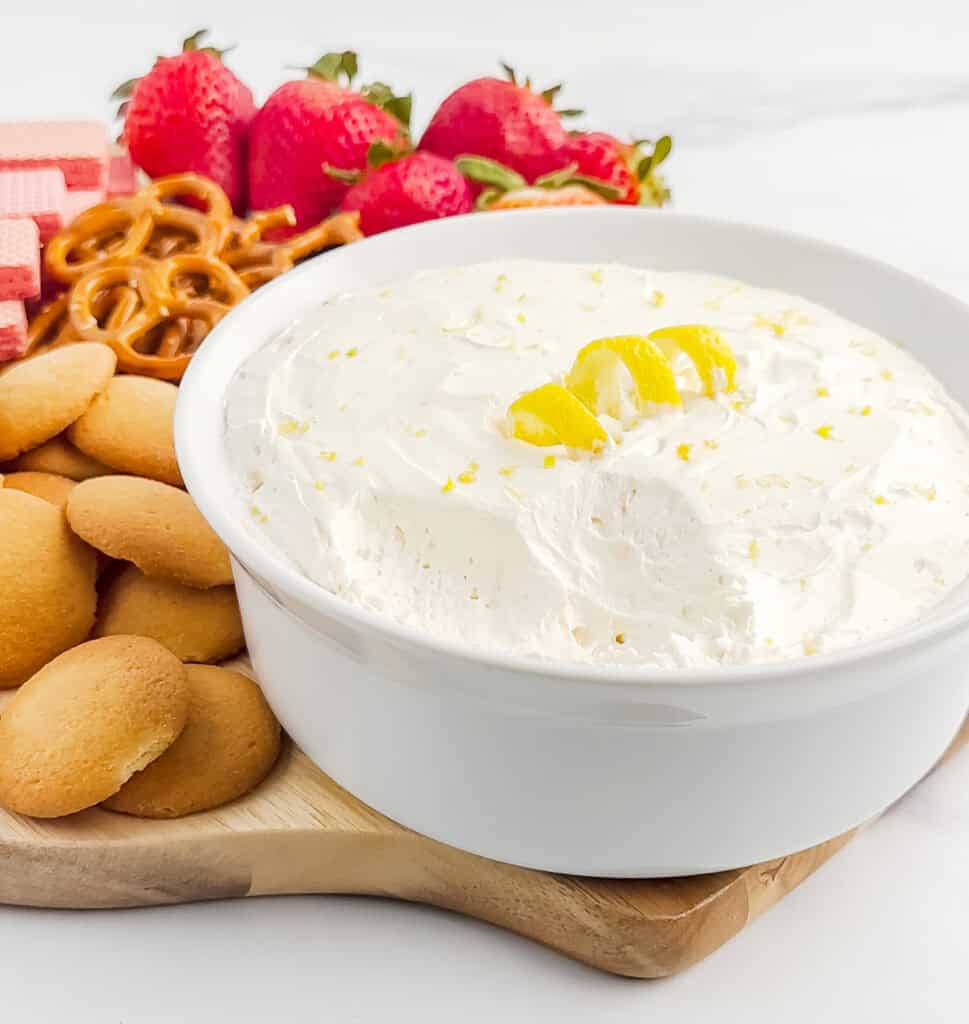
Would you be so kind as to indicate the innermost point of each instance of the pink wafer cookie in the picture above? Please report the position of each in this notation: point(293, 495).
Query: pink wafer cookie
point(19, 259)
point(122, 180)
point(39, 195)
point(78, 148)
point(13, 330)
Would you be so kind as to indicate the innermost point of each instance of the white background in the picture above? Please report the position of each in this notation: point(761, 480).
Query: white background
point(844, 120)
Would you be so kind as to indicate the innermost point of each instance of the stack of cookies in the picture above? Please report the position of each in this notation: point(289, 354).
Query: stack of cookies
point(116, 600)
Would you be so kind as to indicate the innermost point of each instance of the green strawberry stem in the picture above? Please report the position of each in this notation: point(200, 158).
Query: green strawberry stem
point(351, 177)
point(548, 94)
point(190, 44)
point(382, 95)
point(490, 172)
point(331, 66)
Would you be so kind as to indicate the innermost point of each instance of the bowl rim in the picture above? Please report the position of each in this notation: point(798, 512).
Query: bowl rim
point(261, 560)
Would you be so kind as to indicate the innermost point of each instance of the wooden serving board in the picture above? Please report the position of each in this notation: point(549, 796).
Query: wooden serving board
point(299, 832)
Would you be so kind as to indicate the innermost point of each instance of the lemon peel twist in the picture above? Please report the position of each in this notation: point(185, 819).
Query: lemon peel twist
point(705, 348)
point(648, 366)
point(553, 414)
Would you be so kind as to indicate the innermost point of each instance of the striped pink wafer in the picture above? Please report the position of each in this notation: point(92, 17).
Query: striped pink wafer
point(13, 330)
point(19, 260)
point(39, 195)
point(122, 180)
point(79, 149)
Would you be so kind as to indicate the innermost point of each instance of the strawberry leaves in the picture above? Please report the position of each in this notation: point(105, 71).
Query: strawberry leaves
point(549, 95)
point(500, 179)
point(648, 164)
point(382, 95)
point(331, 67)
point(190, 44)
point(569, 175)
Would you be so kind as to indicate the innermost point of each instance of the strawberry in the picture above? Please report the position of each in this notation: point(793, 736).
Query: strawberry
point(503, 121)
point(505, 189)
point(623, 165)
point(190, 113)
point(314, 123)
point(407, 190)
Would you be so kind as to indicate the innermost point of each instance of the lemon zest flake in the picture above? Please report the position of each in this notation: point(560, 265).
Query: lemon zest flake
point(289, 427)
point(825, 431)
point(658, 298)
point(548, 462)
point(447, 486)
point(683, 451)
point(773, 325)
point(822, 392)
point(507, 470)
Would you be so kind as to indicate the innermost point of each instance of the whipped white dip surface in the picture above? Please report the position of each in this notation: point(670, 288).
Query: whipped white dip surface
point(822, 503)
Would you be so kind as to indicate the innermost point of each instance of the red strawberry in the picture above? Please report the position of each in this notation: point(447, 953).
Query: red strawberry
point(190, 113)
point(314, 123)
point(503, 121)
point(622, 165)
point(416, 187)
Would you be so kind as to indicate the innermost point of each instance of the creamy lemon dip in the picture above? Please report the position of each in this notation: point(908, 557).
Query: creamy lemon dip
point(821, 502)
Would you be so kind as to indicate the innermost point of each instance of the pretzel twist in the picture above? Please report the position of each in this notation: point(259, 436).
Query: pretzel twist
point(150, 275)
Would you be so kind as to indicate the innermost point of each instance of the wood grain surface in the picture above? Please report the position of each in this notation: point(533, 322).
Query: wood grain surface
point(299, 832)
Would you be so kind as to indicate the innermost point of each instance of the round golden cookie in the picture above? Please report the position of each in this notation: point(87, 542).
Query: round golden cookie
point(229, 744)
point(152, 524)
point(47, 595)
point(49, 486)
point(84, 724)
point(130, 426)
point(60, 457)
point(40, 397)
point(195, 625)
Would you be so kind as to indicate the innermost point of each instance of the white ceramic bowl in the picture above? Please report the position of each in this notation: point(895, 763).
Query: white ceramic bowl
point(602, 771)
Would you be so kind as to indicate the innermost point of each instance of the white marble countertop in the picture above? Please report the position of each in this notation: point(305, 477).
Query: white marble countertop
point(849, 121)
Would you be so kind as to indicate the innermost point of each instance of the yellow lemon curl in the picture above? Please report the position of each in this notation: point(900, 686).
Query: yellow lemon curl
point(592, 378)
point(705, 348)
point(553, 414)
